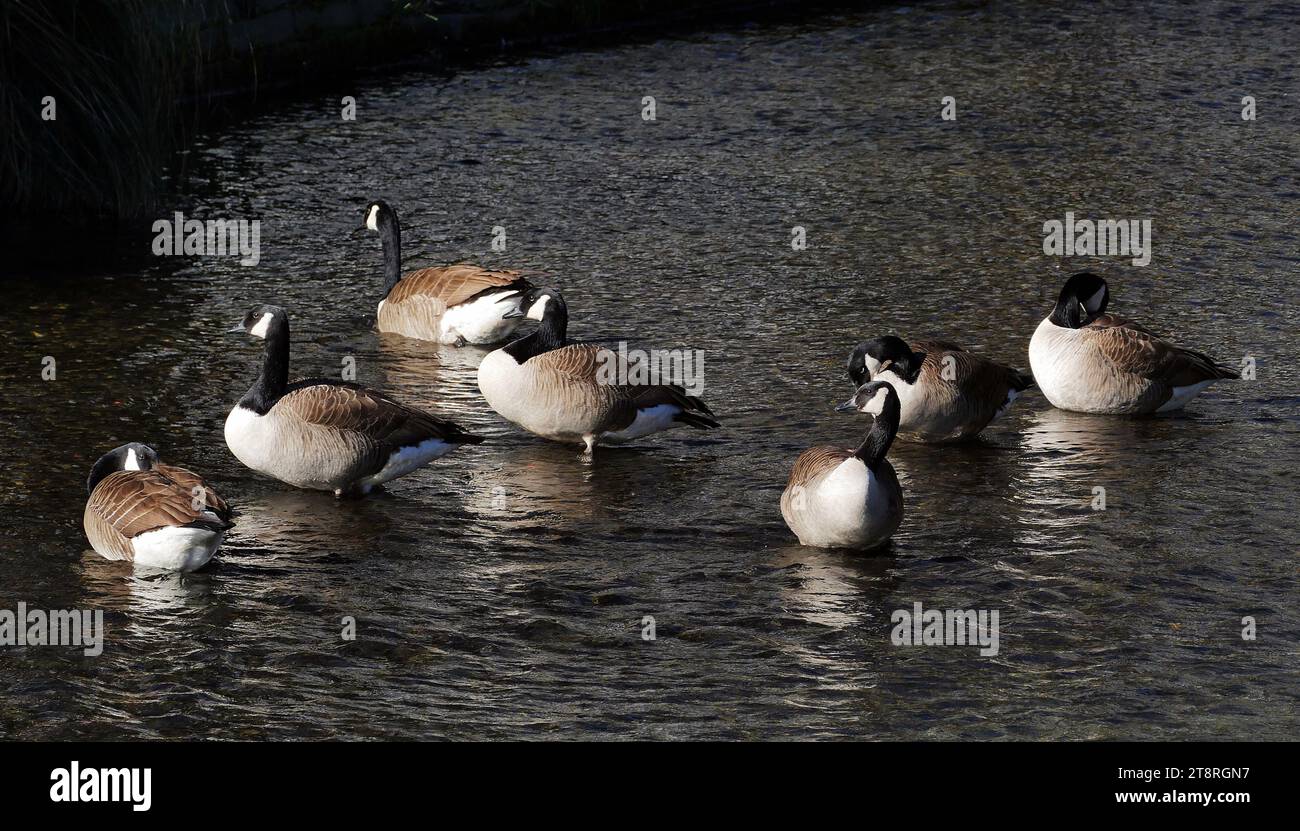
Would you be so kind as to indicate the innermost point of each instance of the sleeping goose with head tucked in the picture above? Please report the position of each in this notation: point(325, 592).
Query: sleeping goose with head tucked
point(327, 435)
point(456, 304)
point(837, 498)
point(1091, 362)
point(152, 514)
point(945, 393)
point(568, 392)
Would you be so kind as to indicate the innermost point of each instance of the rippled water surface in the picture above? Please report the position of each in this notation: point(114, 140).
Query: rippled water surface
point(501, 592)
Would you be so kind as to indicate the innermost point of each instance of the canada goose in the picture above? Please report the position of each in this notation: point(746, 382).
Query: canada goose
point(455, 304)
point(151, 514)
point(327, 435)
point(566, 392)
point(945, 392)
point(849, 498)
point(1091, 362)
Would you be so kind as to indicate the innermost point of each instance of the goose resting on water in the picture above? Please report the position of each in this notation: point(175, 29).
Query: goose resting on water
point(554, 388)
point(837, 498)
point(1090, 362)
point(327, 435)
point(456, 304)
point(945, 393)
point(152, 514)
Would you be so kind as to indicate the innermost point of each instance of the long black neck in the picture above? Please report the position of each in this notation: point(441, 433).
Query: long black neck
point(390, 237)
point(111, 463)
point(273, 379)
point(551, 334)
point(881, 435)
point(1069, 313)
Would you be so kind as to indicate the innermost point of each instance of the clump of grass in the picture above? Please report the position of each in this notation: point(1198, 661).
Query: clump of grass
point(114, 70)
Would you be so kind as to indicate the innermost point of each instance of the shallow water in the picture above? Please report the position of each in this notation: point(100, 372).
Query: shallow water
point(501, 592)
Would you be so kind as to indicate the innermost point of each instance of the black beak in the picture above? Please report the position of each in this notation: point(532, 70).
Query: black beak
point(847, 407)
point(513, 313)
point(238, 328)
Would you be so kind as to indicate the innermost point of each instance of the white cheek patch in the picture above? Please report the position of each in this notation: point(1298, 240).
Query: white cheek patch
point(1093, 303)
point(131, 463)
point(538, 308)
point(259, 331)
point(873, 366)
point(877, 403)
point(372, 218)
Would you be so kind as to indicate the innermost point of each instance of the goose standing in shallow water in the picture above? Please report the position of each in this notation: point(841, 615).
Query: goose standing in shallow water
point(1090, 362)
point(558, 389)
point(327, 435)
point(945, 393)
point(152, 514)
point(840, 498)
point(455, 304)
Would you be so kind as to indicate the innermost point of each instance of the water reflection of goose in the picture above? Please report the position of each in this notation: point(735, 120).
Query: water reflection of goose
point(440, 378)
point(113, 587)
point(305, 524)
point(536, 480)
point(1064, 457)
point(829, 588)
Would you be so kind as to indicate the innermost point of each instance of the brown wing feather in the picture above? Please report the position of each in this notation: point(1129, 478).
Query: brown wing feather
point(1108, 321)
point(378, 418)
point(452, 284)
point(816, 461)
point(1136, 351)
point(131, 502)
point(189, 481)
point(971, 373)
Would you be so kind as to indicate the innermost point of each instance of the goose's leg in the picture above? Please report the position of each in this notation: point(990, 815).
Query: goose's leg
point(590, 442)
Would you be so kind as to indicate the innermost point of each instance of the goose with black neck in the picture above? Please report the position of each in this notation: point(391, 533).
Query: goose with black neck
point(327, 435)
point(455, 304)
point(1088, 361)
point(838, 498)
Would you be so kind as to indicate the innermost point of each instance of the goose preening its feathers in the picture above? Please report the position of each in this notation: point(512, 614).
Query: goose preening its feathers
point(1090, 362)
point(152, 514)
point(945, 393)
point(840, 498)
point(556, 389)
point(455, 304)
point(327, 435)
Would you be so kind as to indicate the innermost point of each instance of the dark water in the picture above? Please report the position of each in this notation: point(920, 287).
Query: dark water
point(501, 593)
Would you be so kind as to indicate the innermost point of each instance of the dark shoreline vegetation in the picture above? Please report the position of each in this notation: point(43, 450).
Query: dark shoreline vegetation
point(132, 86)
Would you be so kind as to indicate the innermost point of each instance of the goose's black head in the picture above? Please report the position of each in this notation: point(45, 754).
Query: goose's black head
point(263, 321)
point(880, 399)
point(1082, 300)
point(132, 456)
point(875, 356)
point(539, 304)
point(547, 306)
point(378, 214)
point(877, 398)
